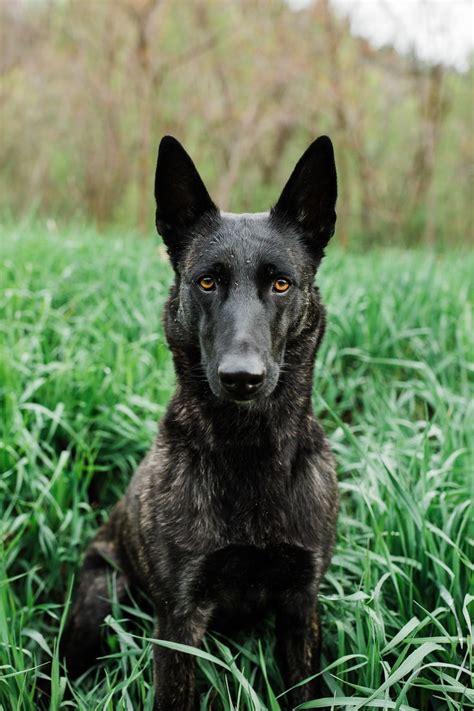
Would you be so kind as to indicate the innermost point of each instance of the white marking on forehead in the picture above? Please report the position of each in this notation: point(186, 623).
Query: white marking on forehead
point(246, 215)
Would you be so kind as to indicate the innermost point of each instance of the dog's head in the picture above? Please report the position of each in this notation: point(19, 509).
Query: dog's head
point(244, 282)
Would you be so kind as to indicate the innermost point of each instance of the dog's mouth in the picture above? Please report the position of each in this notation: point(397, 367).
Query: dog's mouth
point(241, 400)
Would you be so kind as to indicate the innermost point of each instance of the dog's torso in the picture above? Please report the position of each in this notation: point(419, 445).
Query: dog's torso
point(230, 529)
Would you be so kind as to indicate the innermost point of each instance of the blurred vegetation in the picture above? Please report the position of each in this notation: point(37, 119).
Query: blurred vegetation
point(88, 88)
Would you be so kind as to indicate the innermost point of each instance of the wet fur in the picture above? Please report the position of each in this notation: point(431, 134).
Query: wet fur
point(232, 513)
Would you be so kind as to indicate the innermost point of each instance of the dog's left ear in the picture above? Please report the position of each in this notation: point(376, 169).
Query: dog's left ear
point(309, 197)
point(181, 196)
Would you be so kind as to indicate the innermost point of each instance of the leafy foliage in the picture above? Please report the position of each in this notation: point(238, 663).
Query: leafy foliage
point(247, 86)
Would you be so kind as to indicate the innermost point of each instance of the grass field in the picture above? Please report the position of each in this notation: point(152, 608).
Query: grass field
point(85, 375)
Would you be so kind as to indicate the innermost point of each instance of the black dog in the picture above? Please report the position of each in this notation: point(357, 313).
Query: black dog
point(232, 513)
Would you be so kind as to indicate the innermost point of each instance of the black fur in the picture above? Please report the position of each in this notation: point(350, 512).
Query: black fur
point(232, 513)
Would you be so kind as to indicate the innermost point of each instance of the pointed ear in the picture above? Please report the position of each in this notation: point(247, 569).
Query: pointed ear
point(181, 196)
point(308, 199)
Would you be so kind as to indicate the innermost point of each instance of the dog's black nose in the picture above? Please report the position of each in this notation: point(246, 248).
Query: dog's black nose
point(241, 378)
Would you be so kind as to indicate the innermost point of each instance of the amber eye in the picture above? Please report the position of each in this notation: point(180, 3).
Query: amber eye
point(281, 285)
point(207, 283)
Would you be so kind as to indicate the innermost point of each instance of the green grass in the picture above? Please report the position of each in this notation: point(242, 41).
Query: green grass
point(85, 375)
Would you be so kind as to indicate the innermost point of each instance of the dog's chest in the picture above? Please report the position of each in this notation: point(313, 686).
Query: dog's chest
point(238, 501)
point(243, 580)
point(263, 515)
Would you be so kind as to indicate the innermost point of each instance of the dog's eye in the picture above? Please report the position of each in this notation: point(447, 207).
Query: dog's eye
point(207, 283)
point(281, 285)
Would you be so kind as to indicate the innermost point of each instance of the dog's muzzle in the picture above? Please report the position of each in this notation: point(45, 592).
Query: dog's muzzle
point(241, 378)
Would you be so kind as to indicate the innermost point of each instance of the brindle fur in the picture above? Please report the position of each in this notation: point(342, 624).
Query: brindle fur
point(232, 513)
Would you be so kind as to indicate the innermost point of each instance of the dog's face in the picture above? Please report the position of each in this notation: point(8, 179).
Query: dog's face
point(244, 281)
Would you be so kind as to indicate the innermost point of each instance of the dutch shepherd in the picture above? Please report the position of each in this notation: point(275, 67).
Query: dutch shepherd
point(232, 513)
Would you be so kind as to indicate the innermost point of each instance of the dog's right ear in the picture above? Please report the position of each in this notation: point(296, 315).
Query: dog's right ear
point(181, 196)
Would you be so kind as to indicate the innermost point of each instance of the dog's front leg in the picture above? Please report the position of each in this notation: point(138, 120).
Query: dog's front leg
point(298, 647)
point(174, 671)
